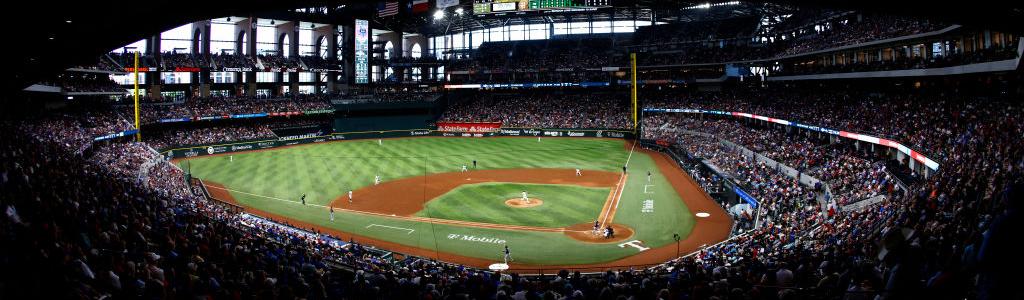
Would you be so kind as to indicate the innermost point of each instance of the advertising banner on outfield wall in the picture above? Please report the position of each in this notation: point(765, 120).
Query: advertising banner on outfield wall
point(267, 144)
point(470, 127)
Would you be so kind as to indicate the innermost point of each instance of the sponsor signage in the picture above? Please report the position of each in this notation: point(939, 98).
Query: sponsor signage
point(246, 69)
point(746, 197)
point(115, 135)
point(174, 120)
point(471, 127)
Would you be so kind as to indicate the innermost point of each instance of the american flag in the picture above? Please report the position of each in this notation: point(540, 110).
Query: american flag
point(389, 8)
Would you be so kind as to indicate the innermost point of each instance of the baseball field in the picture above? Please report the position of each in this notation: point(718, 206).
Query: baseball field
point(425, 204)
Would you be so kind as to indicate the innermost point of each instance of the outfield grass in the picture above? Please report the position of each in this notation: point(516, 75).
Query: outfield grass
point(564, 205)
point(273, 180)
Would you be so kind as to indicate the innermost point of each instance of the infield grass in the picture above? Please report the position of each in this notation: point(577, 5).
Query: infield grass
point(564, 205)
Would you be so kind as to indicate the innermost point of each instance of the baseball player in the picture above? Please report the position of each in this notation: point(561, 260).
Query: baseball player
point(508, 255)
point(648, 176)
point(597, 227)
point(303, 199)
point(578, 173)
point(349, 196)
point(474, 164)
point(376, 180)
point(623, 169)
point(332, 213)
point(525, 199)
point(464, 169)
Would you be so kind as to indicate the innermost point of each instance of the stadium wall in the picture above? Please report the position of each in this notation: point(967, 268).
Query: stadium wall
point(203, 150)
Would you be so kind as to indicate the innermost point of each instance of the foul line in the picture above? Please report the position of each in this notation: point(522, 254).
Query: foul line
point(392, 227)
point(607, 213)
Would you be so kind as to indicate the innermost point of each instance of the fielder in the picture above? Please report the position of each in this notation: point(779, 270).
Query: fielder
point(303, 199)
point(376, 180)
point(578, 173)
point(508, 255)
point(648, 176)
point(349, 196)
point(332, 213)
point(464, 169)
point(526, 199)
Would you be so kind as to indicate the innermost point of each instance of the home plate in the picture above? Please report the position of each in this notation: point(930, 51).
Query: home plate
point(498, 267)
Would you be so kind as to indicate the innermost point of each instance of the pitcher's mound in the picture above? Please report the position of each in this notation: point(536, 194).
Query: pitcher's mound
point(585, 232)
point(519, 203)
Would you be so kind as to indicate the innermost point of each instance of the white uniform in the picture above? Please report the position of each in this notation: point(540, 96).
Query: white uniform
point(525, 199)
point(349, 196)
point(464, 169)
point(332, 214)
point(376, 180)
point(578, 172)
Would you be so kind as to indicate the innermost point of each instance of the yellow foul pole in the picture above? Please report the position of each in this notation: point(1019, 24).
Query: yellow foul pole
point(138, 132)
point(632, 62)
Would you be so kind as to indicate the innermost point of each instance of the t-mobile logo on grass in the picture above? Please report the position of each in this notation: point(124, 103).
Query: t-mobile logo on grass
point(635, 244)
point(471, 238)
point(648, 206)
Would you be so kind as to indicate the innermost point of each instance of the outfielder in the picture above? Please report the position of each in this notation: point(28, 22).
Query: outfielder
point(525, 199)
point(303, 199)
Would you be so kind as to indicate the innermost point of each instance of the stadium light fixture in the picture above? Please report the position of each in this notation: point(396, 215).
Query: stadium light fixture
point(458, 11)
point(439, 15)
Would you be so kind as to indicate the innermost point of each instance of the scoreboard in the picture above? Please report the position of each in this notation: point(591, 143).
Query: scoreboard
point(502, 6)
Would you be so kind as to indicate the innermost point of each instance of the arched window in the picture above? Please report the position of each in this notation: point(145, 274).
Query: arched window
point(242, 45)
point(285, 42)
point(387, 50)
point(416, 51)
point(323, 48)
point(197, 41)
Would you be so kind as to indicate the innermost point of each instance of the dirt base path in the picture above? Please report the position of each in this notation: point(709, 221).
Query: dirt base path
point(406, 196)
point(585, 233)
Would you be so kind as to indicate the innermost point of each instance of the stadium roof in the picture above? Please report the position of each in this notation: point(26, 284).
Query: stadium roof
point(63, 34)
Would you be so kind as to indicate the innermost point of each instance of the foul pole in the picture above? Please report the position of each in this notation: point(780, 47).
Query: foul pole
point(135, 94)
point(632, 94)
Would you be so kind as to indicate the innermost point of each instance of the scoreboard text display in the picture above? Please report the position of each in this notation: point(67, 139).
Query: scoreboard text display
point(362, 51)
point(500, 6)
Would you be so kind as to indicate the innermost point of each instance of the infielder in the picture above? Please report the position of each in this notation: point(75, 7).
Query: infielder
point(332, 213)
point(464, 169)
point(349, 196)
point(578, 173)
point(525, 199)
point(376, 180)
point(508, 255)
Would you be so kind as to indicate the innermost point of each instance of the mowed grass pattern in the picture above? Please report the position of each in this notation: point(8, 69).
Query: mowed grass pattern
point(564, 205)
point(326, 171)
point(273, 181)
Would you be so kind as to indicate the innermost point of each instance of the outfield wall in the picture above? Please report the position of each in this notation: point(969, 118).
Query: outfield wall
point(202, 150)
